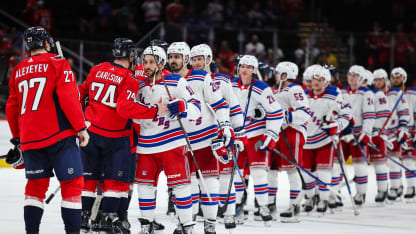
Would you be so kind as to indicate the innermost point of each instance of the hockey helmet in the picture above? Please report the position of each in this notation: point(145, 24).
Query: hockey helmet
point(160, 43)
point(368, 75)
point(36, 36)
point(356, 69)
point(180, 48)
point(399, 71)
point(249, 60)
point(123, 48)
point(156, 51)
point(201, 50)
point(309, 71)
point(291, 70)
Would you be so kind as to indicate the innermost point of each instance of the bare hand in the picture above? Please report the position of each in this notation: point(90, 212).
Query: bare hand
point(162, 107)
point(83, 138)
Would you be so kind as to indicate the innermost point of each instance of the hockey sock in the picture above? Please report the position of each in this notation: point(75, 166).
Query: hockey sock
point(124, 205)
point(195, 194)
point(239, 187)
point(361, 175)
point(33, 205)
point(71, 203)
point(325, 176)
point(147, 200)
point(261, 191)
point(112, 194)
point(272, 179)
point(410, 163)
point(310, 185)
point(210, 208)
point(88, 194)
point(183, 202)
point(394, 173)
point(224, 182)
point(336, 176)
point(295, 184)
point(381, 176)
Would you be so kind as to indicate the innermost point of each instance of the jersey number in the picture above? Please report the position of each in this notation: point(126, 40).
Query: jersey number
point(24, 87)
point(110, 92)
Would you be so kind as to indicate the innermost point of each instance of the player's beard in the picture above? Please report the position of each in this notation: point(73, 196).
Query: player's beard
point(152, 74)
point(399, 85)
point(177, 69)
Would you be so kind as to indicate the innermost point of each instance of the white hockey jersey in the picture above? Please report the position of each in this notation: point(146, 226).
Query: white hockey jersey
point(400, 115)
point(410, 95)
point(222, 82)
point(382, 111)
point(294, 100)
point(320, 105)
point(163, 133)
point(261, 94)
point(363, 112)
point(205, 128)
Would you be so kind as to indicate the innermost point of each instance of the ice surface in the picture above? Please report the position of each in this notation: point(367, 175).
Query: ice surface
point(399, 217)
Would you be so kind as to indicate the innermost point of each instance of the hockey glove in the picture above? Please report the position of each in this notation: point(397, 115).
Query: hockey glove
point(15, 158)
point(270, 139)
point(331, 127)
point(240, 138)
point(177, 107)
point(288, 117)
point(219, 151)
point(228, 133)
point(363, 139)
point(402, 134)
point(259, 113)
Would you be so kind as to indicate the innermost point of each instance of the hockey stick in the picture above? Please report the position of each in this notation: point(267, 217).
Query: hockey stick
point(341, 164)
point(58, 48)
point(293, 158)
point(230, 184)
point(391, 158)
point(97, 203)
point(52, 195)
point(294, 163)
point(364, 154)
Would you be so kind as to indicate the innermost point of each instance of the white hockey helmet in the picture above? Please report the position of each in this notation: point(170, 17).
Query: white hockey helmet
point(156, 51)
point(368, 76)
point(291, 70)
point(380, 73)
point(356, 69)
point(201, 50)
point(249, 60)
point(322, 72)
point(307, 74)
point(399, 71)
point(180, 48)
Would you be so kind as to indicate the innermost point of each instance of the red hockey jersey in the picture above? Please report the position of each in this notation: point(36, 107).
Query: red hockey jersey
point(43, 106)
point(111, 90)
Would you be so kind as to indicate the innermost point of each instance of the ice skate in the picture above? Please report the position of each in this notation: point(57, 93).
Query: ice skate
point(359, 199)
point(209, 227)
point(308, 205)
point(409, 196)
point(322, 207)
point(291, 215)
point(392, 195)
point(85, 221)
point(265, 215)
point(229, 222)
point(380, 198)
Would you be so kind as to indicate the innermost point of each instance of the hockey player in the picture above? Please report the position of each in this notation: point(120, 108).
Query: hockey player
point(361, 100)
point(111, 87)
point(201, 58)
point(139, 70)
point(293, 100)
point(162, 142)
point(266, 128)
point(202, 131)
point(307, 76)
point(44, 116)
point(319, 150)
point(379, 138)
point(398, 129)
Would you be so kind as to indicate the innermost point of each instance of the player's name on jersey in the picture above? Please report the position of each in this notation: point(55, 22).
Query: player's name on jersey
point(36, 68)
point(109, 76)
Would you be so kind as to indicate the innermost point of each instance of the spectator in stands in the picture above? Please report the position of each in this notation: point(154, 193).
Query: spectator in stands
point(231, 19)
point(256, 16)
point(327, 57)
point(225, 59)
point(402, 48)
point(29, 11)
point(174, 11)
point(152, 13)
point(88, 17)
point(255, 47)
point(216, 11)
point(371, 43)
point(272, 14)
point(104, 14)
point(43, 17)
point(384, 50)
